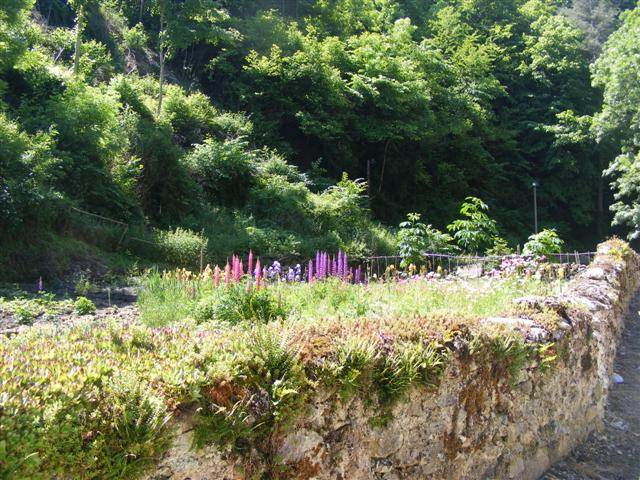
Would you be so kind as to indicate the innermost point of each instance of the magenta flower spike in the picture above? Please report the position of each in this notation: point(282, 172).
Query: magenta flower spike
point(327, 265)
point(227, 274)
point(250, 265)
point(216, 276)
point(310, 272)
point(340, 270)
point(258, 272)
point(334, 267)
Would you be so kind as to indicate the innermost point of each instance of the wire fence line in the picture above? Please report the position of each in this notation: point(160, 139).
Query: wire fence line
point(378, 265)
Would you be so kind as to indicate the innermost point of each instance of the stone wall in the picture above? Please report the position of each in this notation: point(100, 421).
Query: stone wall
point(478, 424)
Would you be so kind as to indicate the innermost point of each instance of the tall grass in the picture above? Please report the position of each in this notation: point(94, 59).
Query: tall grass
point(166, 300)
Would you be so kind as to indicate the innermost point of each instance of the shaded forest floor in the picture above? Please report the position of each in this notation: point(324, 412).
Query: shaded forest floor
point(614, 452)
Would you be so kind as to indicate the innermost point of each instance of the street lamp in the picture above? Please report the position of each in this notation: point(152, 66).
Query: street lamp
point(535, 205)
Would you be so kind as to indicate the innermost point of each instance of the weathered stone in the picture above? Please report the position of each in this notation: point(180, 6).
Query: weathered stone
point(296, 445)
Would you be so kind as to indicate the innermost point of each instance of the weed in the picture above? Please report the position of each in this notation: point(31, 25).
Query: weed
point(84, 306)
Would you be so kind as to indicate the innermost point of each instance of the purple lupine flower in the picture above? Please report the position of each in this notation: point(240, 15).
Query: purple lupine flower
point(310, 271)
point(291, 276)
point(298, 272)
point(340, 265)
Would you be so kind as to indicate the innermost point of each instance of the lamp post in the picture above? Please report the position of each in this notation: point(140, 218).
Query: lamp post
point(535, 205)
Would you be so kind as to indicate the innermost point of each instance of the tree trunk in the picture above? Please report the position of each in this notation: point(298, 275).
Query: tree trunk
point(79, 28)
point(162, 54)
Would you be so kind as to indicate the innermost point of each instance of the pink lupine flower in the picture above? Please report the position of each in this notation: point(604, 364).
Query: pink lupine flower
point(216, 276)
point(258, 277)
point(250, 263)
point(227, 274)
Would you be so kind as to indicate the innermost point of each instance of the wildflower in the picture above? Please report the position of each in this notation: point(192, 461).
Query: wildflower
point(216, 276)
point(258, 274)
point(310, 271)
point(40, 285)
point(227, 274)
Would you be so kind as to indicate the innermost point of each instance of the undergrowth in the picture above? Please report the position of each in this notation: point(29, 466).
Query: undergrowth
point(94, 400)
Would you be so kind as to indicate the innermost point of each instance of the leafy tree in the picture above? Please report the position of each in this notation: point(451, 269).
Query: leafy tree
point(476, 230)
point(596, 19)
point(617, 71)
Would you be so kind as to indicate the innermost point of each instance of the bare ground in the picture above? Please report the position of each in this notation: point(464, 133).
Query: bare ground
point(614, 452)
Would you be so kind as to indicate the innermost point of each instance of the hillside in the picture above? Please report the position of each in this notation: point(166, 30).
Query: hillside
point(136, 132)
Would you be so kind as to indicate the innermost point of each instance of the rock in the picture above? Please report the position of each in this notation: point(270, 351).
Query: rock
point(617, 378)
point(296, 445)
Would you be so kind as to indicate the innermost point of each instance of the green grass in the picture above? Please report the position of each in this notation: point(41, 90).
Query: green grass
point(166, 300)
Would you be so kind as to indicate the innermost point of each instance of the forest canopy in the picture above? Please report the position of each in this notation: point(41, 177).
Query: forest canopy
point(287, 126)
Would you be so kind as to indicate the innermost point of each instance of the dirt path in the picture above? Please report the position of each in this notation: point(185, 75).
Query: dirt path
point(613, 453)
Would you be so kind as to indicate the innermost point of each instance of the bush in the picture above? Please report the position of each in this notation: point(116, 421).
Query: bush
point(181, 247)
point(544, 243)
point(84, 306)
point(416, 238)
point(476, 230)
point(225, 170)
point(234, 306)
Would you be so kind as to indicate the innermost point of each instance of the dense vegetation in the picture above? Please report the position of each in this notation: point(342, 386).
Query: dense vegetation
point(250, 121)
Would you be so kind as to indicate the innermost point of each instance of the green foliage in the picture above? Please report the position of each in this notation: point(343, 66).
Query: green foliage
point(545, 242)
point(618, 73)
point(180, 247)
point(65, 413)
point(271, 374)
point(416, 238)
point(512, 351)
point(476, 230)
point(234, 306)
point(225, 170)
point(429, 105)
point(84, 306)
point(500, 248)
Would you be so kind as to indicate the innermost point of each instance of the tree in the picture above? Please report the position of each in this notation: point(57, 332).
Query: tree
point(476, 230)
point(80, 7)
point(596, 19)
point(182, 23)
point(617, 71)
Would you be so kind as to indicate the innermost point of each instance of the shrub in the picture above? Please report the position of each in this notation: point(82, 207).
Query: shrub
point(225, 170)
point(476, 230)
point(181, 247)
point(416, 238)
point(234, 306)
point(500, 248)
point(84, 306)
point(544, 243)
point(135, 37)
